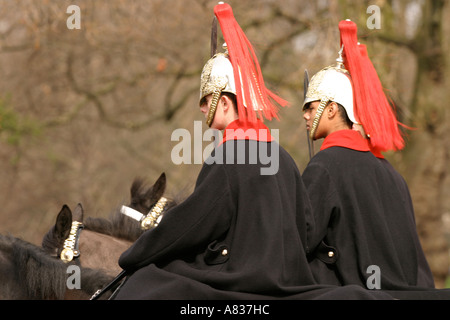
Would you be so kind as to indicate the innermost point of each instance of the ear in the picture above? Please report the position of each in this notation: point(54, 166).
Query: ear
point(332, 109)
point(136, 187)
point(157, 191)
point(63, 223)
point(78, 213)
point(226, 103)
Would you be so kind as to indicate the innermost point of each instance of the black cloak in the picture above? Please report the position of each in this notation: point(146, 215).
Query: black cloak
point(239, 235)
point(363, 222)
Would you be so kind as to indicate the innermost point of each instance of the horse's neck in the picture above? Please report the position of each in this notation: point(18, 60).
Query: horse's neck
point(9, 287)
point(101, 251)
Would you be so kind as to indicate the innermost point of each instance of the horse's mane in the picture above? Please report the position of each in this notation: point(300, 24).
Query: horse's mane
point(119, 225)
point(42, 276)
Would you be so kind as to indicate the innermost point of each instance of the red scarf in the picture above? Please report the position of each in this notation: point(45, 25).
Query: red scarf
point(377, 153)
point(246, 130)
point(349, 139)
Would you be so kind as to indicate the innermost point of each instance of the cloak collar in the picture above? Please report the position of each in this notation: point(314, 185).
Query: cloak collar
point(377, 153)
point(246, 130)
point(349, 139)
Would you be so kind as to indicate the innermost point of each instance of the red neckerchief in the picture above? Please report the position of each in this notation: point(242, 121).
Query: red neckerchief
point(245, 130)
point(349, 139)
point(376, 152)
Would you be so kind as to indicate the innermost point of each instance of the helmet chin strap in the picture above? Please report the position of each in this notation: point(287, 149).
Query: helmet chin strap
point(213, 107)
point(210, 117)
point(322, 105)
point(220, 86)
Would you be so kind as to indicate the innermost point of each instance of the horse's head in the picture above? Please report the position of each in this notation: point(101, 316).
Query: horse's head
point(103, 240)
point(143, 198)
point(94, 248)
point(53, 241)
point(28, 272)
point(148, 204)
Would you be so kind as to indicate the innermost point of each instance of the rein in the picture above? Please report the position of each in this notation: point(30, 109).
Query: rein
point(71, 249)
point(153, 217)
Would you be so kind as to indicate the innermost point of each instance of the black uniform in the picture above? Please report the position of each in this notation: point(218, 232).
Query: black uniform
point(363, 221)
point(236, 237)
point(424, 275)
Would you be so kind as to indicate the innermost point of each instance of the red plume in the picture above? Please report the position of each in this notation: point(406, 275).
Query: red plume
point(251, 92)
point(371, 105)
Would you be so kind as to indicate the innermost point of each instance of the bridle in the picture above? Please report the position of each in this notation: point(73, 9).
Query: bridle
point(153, 217)
point(71, 249)
point(149, 221)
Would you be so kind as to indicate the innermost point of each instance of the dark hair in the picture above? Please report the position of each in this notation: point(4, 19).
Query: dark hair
point(341, 111)
point(233, 99)
point(344, 115)
point(230, 95)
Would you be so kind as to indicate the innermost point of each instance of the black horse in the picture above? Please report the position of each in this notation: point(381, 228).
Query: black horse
point(103, 240)
point(28, 272)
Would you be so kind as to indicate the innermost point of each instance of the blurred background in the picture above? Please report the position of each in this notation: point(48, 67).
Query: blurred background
point(85, 111)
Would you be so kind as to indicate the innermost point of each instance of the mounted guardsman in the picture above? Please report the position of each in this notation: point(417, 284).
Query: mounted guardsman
point(241, 234)
point(363, 213)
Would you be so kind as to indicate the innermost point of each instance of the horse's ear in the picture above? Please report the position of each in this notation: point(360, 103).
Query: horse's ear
point(159, 187)
point(78, 213)
point(135, 187)
point(63, 222)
